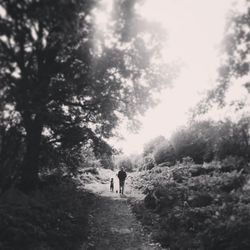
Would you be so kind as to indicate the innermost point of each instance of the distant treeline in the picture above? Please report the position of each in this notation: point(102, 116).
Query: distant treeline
point(202, 141)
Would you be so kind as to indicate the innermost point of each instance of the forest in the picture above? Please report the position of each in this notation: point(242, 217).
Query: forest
point(67, 83)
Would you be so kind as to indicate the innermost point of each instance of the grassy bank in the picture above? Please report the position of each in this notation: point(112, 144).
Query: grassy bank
point(197, 206)
point(55, 217)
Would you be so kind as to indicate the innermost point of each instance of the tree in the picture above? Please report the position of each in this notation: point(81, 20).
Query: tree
point(39, 62)
point(232, 139)
point(125, 163)
point(234, 61)
point(165, 153)
point(208, 140)
point(11, 154)
point(148, 162)
point(196, 141)
point(150, 147)
point(64, 91)
point(160, 149)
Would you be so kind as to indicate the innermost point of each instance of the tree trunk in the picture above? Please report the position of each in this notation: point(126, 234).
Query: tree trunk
point(29, 170)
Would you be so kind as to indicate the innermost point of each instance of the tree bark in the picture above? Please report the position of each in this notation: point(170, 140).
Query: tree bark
point(30, 169)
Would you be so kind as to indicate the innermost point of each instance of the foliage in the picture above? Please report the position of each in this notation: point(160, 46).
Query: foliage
point(137, 161)
point(148, 162)
point(125, 163)
point(92, 171)
point(64, 86)
point(56, 217)
point(234, 61)
point(196, 140)
point(160, 150)
point(187, 160)
point(164, 153)
point(11, 155)
point(233, 139)
point(199, 142)
point(129, 163)
point(106, 161)
point(207, 140)
point(198, 206)
point(150, 147)
point(36, 57)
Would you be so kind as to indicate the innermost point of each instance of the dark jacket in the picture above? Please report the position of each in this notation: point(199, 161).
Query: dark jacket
point(122, 175)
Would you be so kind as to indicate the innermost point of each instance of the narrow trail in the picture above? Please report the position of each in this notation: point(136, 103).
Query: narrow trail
point(113, 226)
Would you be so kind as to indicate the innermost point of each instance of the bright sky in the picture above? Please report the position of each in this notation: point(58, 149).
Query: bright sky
point(195, 29)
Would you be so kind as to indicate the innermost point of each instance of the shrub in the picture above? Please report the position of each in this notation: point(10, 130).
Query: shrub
point(161, 150)
point(149, 162)
point(93, 171)
point(164, 153)
point(231, 163)
point(187, 160)
point(55, 217)
point(198, 206)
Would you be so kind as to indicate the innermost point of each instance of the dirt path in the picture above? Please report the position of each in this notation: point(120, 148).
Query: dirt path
point(113, 225)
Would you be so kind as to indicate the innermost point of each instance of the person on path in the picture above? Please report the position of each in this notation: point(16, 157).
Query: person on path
point(121, 176)
point(112, 184)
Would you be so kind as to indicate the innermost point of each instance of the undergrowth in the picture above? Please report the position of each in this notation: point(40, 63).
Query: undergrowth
point(197, 206)
point(56, 217)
